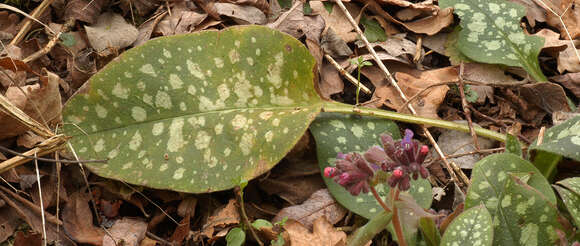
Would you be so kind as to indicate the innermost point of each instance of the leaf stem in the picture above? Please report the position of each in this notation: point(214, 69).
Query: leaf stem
point(350, 109)
point(380, 200)
point(396, 221)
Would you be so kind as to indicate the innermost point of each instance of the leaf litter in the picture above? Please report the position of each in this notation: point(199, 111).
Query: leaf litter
point(101, 32)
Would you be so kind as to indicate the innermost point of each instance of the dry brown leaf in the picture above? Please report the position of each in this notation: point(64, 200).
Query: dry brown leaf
point(8, 222)
point(571, 18)
point(429, 25)
point(330, 80)
point(426, 6)
point(181, 20)
point(222, 218)
point(130, 231)
point(78, 220)
point(488, 74)
point(43, 98)
point(242, 14)
point(337, 19)
point(427, 103)
point(546, 95)
point(111, 33)
point(141, 7)
point(553, 44)
point(334, 45)
point(8, 25)
point(84, 10)
point(534, 12)
point(398, 46)
point(568, 61)
point(323, 234)
point(320, 204)
point(571, 81)
point(408, 14)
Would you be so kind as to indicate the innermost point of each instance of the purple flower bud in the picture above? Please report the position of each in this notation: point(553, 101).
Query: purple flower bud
point(407, 139)
point(404, 183)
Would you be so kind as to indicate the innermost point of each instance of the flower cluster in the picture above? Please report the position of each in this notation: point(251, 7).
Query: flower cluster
point(403, 158)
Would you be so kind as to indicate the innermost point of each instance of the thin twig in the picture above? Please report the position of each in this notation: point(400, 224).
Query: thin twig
point(401, 94)
point(53, 41)
point(28, 23)
point(41, 202)
point(85, 178)
point(466, 110)
point(347, 75)
point(2, 148)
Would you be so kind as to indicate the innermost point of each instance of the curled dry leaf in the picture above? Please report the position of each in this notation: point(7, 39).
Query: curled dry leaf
point(426, 6)
point(553, 43)
point(111, 33)
point(568, 61)
point(40, 101)
point(427, 103)
point(320, 204)
point(78, 220)
point(571, 81)
point(181, 20)
point(242, 14)
point(221, 219)
point(323, 234)
point(8, 24)
point(429, 25)
point(546, 95)
point(571, 18)
point(84, 10)
point(128, 230)
point(337, 20)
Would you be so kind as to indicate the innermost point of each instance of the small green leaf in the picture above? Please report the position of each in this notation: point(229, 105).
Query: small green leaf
point(328, 6)
point(472, 227)
point(470, 95)
point(260, 223)
point(336, 133)
point(512, 145)
point(306, 9)
point(236, 237)
point(67, 39)
point(491, 33)
point(570, 194)
point(197, 112)
point(375, 225)
point(563, 139)
point(489, 176)
point(525, 216)
point(285, 4)
point(373, 31)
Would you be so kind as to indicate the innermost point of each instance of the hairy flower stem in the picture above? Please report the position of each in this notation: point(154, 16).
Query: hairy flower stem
point(396, 221)
point(379, 199)
point(350, 109)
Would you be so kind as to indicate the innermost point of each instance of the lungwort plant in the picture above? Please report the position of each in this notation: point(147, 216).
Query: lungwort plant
point(198, 112)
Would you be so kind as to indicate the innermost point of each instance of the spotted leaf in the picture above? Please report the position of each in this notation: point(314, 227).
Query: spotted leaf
point(472, 227)
point(569, 190)
point(525, 216)
point(196, 112)
point(491, 33)
point(563, 139)
point(336, 133)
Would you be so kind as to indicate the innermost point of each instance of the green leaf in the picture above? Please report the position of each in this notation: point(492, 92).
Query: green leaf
point(336, 133)
point(525, 216)
point(430, 232)
point(491, 33)
point(375, 225)
point(328, 6)
point(67, 39)
point(489, 177)
point(260, 223)
point(570, 193)
point(563, 139)
point(373, 31)
point(197, 112)
point(236, 237)
point(472, 227)
point(512, 145)
point(547, 162)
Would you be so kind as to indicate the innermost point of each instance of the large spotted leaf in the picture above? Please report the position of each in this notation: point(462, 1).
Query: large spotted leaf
point(491, 33)
point(336, 133)
point(563, 139)
point(196, 112)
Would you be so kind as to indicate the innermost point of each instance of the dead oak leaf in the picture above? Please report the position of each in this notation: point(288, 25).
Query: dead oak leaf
point(571, 18)
point(428, 102)
point(323, 234)
point(111, 33)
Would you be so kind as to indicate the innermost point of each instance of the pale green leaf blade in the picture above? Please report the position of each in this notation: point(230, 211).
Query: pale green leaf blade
point(491, 33)
point(570, 194)
point(336, 133)
point(196, 112)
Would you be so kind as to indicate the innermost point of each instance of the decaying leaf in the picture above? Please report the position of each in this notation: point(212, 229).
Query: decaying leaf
point(320, 204)
point(337, 20)
point(222, 218)
point(243, 14)
point(181, 20)
point(131, 231)
point(428, 102)
point(40, 101)
point(571, 81)
point(568, 61)
point(571, 18)
point(78, 220)
point(110, 34)
point(455, 142)
point(323, 234)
